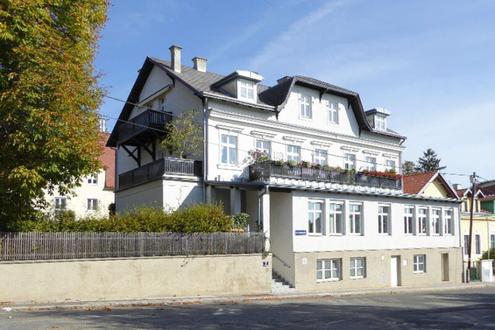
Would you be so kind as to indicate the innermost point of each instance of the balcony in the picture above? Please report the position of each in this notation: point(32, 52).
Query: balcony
point(266, 170)
point(155, 170)
point(143, 128)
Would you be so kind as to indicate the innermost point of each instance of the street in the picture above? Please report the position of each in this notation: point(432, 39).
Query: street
point(461, 309)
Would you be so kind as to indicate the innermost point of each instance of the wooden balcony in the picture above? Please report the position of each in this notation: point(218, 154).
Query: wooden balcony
point(157, 169)
point(143, 128)
point(264, 171)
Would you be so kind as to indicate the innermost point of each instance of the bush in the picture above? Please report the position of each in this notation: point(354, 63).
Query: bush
point(197, 218)
point(240, 221)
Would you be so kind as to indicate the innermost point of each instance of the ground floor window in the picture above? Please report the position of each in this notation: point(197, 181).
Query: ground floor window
point(478, 244)
point(328, 269)
point(358, 268)
point(466, 244)
point(492, 241)
point(315, 215)
point(60, 203)
point(419, 263)
point(92, 204)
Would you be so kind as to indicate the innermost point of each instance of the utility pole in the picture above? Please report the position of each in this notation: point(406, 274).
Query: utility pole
point(470, 244)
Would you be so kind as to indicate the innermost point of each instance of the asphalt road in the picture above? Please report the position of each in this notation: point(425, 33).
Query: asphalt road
point(463, 309)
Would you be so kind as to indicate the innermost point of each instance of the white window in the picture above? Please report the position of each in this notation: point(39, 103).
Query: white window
point(492, 241)
point(328, 269)
point(264, 146)
point(435, 221)
point(371, 164)
point(333, 113)
point(383, 219)
point(350, 161)
point(380, 123)
point(408, 219)
point(422, 221)
point(358, 268)
point(161, 103)
point(306, 107)
point(419, 263)
point(391, 164)
point(60, 203)
point(320, 156)
point(92, 204)
point(315, 217)
point(477, 240)
point(355, 218)
point(336, 218)
point(229, 149)
point(246, 89)
point(466, 244)
point(465, 206)
point(293, 153)
point(92, 179)
point(448, 222)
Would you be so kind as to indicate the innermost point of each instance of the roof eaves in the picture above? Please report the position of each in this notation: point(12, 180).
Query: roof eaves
point(236, 101)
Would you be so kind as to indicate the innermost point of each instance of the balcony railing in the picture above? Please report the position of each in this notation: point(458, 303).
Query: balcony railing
point(155, 170)
point(264, 171)
point(150, 123)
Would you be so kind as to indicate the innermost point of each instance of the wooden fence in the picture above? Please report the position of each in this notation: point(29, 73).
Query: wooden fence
point(81, 245)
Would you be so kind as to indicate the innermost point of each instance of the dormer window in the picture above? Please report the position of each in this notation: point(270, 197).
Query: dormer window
point(246, 90)
point(380, 123)
point(306, 107)
point(377, 118)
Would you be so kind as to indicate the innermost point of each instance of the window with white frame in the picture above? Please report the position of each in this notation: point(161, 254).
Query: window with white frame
point(419, 263)
point(306, 107)
point(383, 219)
point(466, 244)
point(60, 203)
point(333, 113)
point(229, 149)
point(477, 242)
point(246, 89)
point(320, 156)
point(370, 164)
point(355, 218)
point(92, 179)
point(293, 153)
point(380, 123)
point(408, 219)
point(391, 164)
point(315, 217)
point(435, 221)
point(336, 216)
point(264, 146)
point(328, 269)
point(350, 161)
point(422, 218)
point(492, 241)
point(358, 268)
point(448, 222)
point(92, 204)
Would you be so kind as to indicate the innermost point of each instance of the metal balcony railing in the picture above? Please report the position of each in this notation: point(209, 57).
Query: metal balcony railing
point(150, 123)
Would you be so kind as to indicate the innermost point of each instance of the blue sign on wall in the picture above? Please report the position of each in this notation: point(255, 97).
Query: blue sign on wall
point(301, 232)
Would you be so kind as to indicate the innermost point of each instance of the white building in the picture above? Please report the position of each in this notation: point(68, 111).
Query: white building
point(327, 228)
point(95, 195)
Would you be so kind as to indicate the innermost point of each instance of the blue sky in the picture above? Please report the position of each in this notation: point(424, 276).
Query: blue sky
point(431, 63)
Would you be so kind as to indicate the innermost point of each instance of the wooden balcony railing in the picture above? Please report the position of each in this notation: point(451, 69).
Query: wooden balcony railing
point(155, 170)
point(264, 171)
point(150, 123)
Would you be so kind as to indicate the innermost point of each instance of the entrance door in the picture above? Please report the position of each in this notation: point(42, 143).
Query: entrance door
point(445, 266)
point(395, 271)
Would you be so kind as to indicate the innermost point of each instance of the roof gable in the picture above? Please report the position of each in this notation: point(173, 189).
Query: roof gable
point(424, 183)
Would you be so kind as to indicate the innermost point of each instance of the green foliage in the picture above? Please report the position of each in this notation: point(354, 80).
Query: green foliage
point(197, 218)
point(48, 99)
point(408, 167)
point(429, 162)
point(184, 135)
point(240, 221)
point(491, 252)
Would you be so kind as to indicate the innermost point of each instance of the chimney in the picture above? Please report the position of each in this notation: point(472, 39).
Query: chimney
point(199, 63)
point(175, 57)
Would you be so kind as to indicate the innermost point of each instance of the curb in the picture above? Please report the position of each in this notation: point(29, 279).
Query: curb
point(109, 304)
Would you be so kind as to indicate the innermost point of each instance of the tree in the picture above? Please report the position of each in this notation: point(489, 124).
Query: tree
point(48, 99)
point(429, 162)
point(408, 167)
point(184, 135)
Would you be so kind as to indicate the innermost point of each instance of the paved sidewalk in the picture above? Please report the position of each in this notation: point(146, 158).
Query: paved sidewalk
point(101, 304)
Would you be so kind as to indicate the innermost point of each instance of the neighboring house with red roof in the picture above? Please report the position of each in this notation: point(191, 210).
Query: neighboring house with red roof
point(430, 184)
point(95, 195)
point(488, 201)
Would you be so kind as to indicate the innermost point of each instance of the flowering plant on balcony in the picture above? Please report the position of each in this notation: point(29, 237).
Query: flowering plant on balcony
point(389, 174)
point(258, 156)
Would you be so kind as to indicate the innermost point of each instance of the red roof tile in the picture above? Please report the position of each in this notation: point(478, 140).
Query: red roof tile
point(107, 159)
point(414, 183)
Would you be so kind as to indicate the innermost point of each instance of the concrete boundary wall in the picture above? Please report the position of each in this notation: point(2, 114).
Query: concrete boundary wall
point(138, 278)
